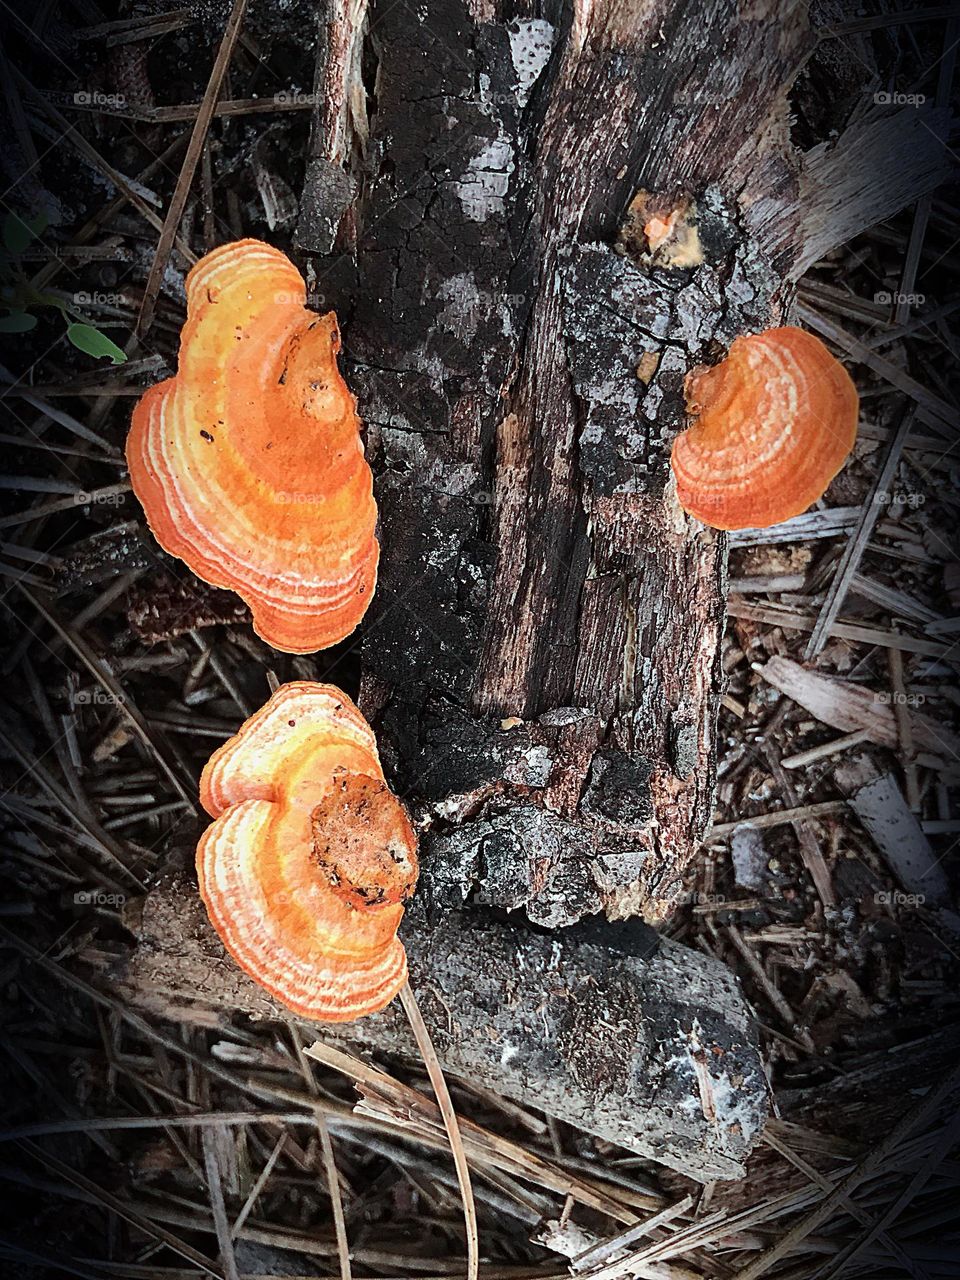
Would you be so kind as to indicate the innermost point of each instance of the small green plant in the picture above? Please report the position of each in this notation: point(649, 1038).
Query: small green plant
point(19, 299)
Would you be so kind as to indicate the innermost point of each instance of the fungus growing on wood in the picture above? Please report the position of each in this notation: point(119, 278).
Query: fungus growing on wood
point(249, 463)
point(310, 858)
point(773, 424)
point(661, 230)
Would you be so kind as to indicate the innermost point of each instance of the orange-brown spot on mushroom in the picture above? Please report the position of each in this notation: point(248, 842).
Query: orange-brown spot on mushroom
point(362, 840)
point(773, 424)
point(282, 510)
point(310, 858)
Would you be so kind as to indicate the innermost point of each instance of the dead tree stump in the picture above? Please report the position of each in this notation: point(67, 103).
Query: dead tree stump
point(540, 661)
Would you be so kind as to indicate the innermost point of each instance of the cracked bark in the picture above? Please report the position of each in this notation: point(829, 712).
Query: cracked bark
point(615, 1031)
point(546, 617)
point(541, 656)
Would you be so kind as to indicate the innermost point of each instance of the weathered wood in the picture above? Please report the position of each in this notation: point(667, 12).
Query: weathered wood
point(876, 799)
point(871, 172)
point(850, 707)
point(541, 658)
point(837, 1120)
point(616, 1031)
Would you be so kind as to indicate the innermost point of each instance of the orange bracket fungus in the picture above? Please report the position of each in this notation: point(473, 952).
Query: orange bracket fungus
point(249, 463)
point(310, 858)
point(773, 424)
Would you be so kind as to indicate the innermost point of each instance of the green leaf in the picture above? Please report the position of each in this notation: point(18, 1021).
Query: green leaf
point(17, 322)
point(94, 343)
point(18, 232)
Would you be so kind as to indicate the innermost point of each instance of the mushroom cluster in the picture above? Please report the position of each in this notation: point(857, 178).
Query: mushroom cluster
point(250, 468)
point(249, 463)
point(773, 424)
point(310, 858)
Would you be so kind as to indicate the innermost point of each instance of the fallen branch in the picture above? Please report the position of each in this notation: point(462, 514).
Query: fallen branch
point(633, 1038)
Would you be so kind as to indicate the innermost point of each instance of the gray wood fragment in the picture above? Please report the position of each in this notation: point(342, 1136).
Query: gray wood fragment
point(749, 856)
point(327, 193)
point(879, 803)
point(873, 169)
point(620, 1033)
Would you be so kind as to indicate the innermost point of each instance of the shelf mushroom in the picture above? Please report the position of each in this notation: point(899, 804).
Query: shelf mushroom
point(310, 857)
point(249, 463)
point(773, 424)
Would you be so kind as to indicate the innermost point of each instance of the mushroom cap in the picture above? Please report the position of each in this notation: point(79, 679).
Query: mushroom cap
point(310, 858)
point(773, 424)
point(249, 463)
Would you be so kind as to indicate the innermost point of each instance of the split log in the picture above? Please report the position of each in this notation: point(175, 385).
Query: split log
point(541, 660)
point(618, 1032)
